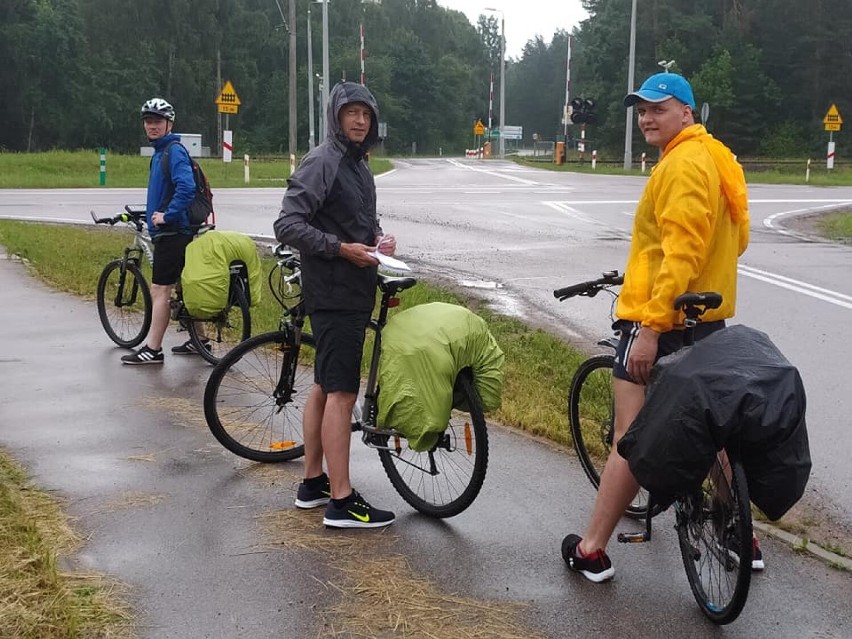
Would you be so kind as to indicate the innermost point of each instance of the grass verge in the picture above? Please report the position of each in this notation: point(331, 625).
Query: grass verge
point(837, 226)
point(77, 169)
point(755, 174)
point(38, 599)
point(532, 355)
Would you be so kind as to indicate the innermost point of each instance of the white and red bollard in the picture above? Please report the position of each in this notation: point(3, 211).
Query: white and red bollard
point(644, 157)
point(594, 158)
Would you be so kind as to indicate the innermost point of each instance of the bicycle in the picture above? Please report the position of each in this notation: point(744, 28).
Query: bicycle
point(713, 522)
point(124, 307)
point(591, 406)
point(254, 401)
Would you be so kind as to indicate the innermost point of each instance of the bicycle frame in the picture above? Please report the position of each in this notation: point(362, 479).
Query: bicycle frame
point(292, 321)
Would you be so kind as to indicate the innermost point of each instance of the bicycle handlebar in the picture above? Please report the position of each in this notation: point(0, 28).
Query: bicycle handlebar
point(135, 215)
point(590, 288)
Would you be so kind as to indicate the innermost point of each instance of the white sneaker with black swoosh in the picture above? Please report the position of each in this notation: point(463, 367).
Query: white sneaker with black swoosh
point(355, 512)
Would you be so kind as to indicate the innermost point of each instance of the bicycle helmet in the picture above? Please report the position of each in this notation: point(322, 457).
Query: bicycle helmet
point(158, 107)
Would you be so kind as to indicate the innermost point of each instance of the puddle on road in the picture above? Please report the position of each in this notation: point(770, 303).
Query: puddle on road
point(496, 297)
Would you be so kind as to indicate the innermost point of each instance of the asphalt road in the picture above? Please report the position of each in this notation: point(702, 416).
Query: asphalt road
point(185, 524)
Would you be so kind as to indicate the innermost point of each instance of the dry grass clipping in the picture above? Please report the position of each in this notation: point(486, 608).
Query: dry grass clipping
point(37, 599)
point(128, 501)
point(188, 411)
point(392, 601)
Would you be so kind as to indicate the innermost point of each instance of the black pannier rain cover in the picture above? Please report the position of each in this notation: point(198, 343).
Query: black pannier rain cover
point(732, 385)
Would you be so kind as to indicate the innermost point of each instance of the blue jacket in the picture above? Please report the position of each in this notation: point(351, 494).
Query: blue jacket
point(183, 185)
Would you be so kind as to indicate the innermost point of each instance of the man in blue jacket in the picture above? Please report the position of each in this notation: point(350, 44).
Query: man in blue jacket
point(329, 215)
point(168, 223)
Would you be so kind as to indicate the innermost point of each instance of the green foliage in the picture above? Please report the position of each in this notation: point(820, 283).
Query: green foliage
point(74, 74)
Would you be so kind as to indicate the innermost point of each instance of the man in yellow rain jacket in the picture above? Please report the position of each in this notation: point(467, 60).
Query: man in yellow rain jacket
point(691, 225)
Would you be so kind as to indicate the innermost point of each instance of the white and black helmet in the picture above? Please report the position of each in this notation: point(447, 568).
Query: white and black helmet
point(158, 107)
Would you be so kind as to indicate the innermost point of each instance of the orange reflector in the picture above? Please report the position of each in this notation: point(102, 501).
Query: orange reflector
point(396, 443)
point(282, 445)
point(468, 438)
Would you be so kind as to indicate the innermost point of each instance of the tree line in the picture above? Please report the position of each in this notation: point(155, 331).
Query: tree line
point(76, 71)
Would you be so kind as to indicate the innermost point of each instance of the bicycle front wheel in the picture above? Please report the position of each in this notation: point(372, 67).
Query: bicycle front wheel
point(249, 408)
point(216, 337)
point(715, 533)
point(591, 407)
point(443, 481)
point(124, 303)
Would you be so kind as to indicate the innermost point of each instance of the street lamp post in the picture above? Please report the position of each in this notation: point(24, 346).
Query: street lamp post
point(502, 143)
point(631, 64)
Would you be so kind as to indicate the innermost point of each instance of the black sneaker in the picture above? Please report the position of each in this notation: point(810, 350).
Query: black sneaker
point(596, 567)
point(356, 513)
point(313, 492)
point(188, 348)
point(144, 355)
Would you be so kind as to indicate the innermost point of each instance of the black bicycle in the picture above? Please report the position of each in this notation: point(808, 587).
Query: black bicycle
point(255, 397)
point(124, 297)
point(713, 522)
point(591, 406)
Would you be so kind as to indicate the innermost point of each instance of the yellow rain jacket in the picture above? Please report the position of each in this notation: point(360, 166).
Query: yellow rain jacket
point(691, 225)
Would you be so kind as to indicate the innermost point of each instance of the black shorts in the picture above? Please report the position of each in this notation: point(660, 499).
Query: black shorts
point(169, 256)
point(339, 336)
point(668, 343)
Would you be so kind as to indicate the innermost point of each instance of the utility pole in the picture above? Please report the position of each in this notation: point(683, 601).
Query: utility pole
point(628, 132)
point(324, 114)
point(311, 120)
point(290, 28)
point(292, 117)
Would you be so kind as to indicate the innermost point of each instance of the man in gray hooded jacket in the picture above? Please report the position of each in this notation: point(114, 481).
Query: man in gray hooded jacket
point(329, 215)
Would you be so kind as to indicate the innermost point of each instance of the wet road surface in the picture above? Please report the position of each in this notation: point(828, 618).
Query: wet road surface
point(211, 546)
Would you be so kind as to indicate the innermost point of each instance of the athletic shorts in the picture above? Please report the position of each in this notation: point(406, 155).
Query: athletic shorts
point(169, 256)
point(668, 343)
point(339, 337)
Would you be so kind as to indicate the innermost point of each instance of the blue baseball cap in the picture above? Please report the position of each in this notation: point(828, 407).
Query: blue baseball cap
point(660, 87)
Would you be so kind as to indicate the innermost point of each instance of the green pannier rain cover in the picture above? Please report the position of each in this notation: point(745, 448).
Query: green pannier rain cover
point(206, 275)
point(423, 350)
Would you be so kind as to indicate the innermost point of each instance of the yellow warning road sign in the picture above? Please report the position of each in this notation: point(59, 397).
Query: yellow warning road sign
point(228, 100)
point(832, 119)
point(479, 128)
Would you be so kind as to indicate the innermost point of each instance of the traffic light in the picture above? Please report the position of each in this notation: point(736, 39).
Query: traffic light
point(582, 111)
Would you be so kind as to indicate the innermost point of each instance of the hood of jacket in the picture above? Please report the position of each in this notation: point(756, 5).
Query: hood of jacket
point(345, 93)
point(730, 171)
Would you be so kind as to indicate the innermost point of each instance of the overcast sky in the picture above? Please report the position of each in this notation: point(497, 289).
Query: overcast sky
point(524, 18)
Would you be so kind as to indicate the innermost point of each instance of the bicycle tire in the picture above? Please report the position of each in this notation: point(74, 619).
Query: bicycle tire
point(444, 481)
point(126, 322)
point(215, 337)
point(591, 409)
point(240, 405)
point(714, 530)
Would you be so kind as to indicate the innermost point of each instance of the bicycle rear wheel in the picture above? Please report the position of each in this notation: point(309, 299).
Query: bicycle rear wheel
point(715, 533)
point(249, 409)
point(124, 303)
point(591, 406)
point(215, 337)
point(443, 481)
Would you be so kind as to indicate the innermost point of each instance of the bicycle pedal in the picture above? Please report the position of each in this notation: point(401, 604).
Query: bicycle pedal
point(632, 538)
